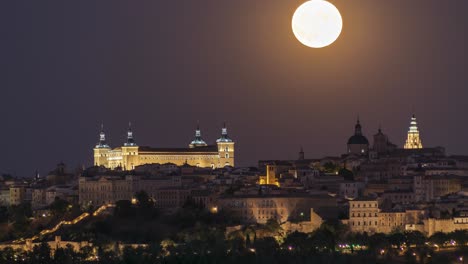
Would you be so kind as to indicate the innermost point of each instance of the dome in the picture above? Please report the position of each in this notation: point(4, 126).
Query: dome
point(358, 140)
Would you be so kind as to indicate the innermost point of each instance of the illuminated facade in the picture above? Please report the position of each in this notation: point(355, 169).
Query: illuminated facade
point(273, 173)
point(272, 176)
point(413, 141)
point(197, 154)
point(280, 207)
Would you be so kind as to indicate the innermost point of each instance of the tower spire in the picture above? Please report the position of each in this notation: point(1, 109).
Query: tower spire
point(198, 141)
point(224, 134)
point(301, 154)
point(413, 140)
point(358, 128)
point(130, 140)
point(102, 139)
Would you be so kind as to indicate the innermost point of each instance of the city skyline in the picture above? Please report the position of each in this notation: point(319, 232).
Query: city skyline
point(115, 142)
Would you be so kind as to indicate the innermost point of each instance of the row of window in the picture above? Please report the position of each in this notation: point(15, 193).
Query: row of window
point(262, 203)
point(364, 223)
point(364, 214)
point(364, 205)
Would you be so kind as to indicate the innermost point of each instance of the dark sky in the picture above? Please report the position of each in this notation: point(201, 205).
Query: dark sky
point(67, 66)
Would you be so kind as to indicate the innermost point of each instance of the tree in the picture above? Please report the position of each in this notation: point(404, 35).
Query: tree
point(134, 256)
point(346, 174)
point(3, 214)
point(143, 200)
point(460, 236)
point(273, 226)
point(397, 238)
point(439, 238)
point(7, 256)
point(59, 207)
point(298, 241)
point(323, 239)
point(19, 215)
point(41, 254)
point(330, 167)
point(378, 242)
point(107, 257)
point(84, 253)
point(415, 238)
point(64, 256)
point(266, 245)
point(123, 209)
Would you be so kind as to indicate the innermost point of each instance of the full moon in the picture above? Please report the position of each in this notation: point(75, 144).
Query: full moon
point(317, 23)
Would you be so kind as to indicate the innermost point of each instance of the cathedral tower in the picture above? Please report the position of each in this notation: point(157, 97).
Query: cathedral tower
point(413, 141)
point(225, 148)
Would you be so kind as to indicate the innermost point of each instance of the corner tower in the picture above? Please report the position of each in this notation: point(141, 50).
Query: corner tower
point(130, 157)
point(225, 149)
point(413, 141)
point(101, 150)
point(198, 140)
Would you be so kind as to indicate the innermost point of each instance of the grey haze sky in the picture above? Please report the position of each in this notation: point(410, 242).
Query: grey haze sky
point(67, 66)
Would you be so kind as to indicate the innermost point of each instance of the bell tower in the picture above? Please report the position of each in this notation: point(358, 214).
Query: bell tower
point(413, 140)
point(225, 149)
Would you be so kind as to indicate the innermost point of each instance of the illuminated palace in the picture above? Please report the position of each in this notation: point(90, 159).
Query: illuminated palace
point(197, 154)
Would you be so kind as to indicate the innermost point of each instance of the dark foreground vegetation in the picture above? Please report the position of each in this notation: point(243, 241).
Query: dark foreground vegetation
point(139, 233)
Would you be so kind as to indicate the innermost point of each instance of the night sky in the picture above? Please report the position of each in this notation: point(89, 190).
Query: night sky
point(67, 66)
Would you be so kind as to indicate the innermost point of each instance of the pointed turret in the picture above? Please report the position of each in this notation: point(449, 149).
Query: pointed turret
point(224, 135)
point(130, 140)
point(358, 128)
point(413, 140)
point(102, 139)
point(198, 141)
point(301, 154)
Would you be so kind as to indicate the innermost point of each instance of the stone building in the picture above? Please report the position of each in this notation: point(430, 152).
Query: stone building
point(281, 207)
point(382, 144)
point(430, 187)
point(397, 220)
point(20, 194)
point(199, 154)
point(364, 215)
point(101, 190)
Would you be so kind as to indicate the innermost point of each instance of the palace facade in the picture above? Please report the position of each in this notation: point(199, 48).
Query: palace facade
point(198, 153)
